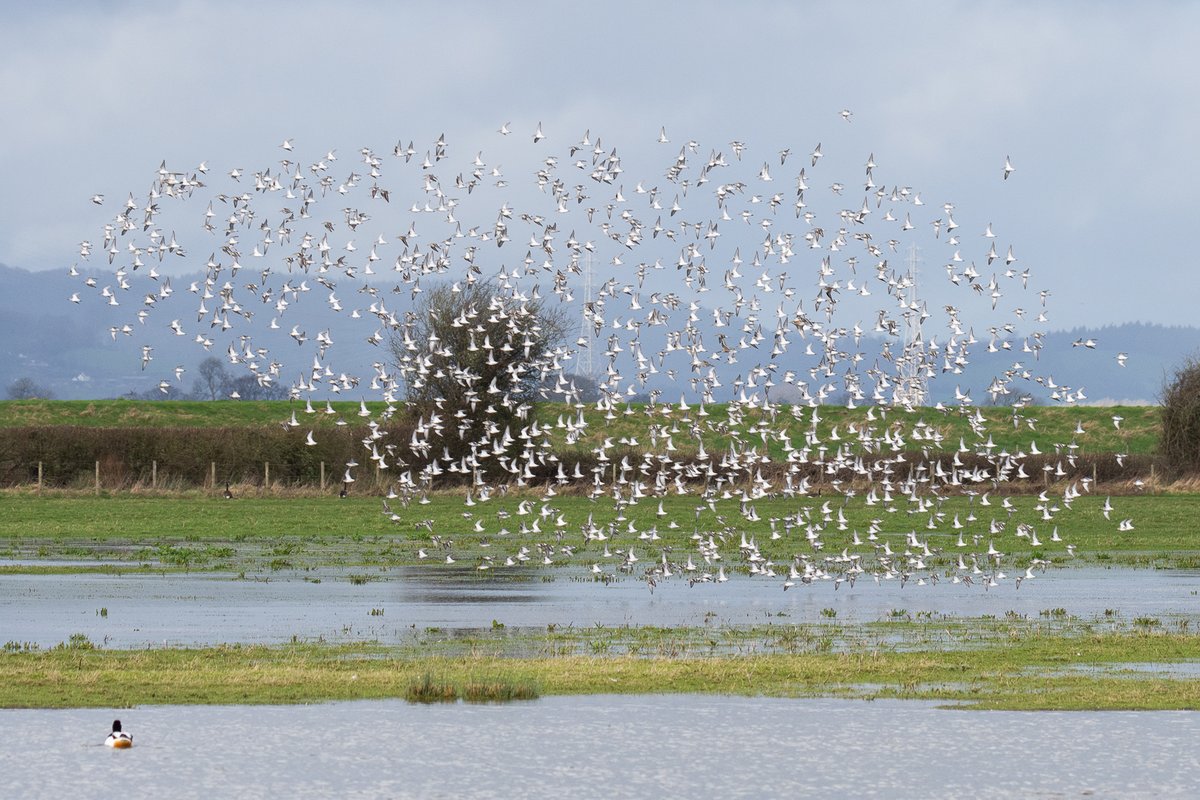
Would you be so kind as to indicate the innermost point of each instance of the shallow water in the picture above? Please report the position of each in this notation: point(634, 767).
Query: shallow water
point(206, 608)
point(602, 746)
point(1173, 670)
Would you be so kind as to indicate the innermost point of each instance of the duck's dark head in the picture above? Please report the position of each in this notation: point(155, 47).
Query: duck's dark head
point(116, 726)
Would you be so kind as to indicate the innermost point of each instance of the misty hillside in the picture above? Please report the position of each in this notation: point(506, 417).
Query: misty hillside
point(70, 349)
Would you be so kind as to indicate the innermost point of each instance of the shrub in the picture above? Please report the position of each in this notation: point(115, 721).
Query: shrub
point(1179, 436)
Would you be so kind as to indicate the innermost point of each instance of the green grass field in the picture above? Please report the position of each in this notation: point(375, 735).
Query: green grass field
point(1010, 429)
point(206, 533)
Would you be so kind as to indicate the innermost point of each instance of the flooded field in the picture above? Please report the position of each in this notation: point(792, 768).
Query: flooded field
point(610, 746)
point(136, 610)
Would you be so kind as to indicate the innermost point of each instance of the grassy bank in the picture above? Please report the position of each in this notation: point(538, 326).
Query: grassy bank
point(1031, 671)
point(209, 533)
point(1009, 428)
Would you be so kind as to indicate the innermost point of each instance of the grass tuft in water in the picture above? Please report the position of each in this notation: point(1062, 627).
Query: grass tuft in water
point(498, 692)
point(429, 690)
point(78, 641)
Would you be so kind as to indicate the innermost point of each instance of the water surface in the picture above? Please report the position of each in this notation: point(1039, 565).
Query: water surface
point(602, 746)
point(143, 609)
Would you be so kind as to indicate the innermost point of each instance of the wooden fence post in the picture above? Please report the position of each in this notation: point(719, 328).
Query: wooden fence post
point(39, 477)
point(322, 476)
point(266, 474)
point(212, 472)
point(153, 474)
point(97, 477)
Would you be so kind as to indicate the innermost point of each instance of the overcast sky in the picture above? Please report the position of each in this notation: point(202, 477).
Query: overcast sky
point(1098, 105)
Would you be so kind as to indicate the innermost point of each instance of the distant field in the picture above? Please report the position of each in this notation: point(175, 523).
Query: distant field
point(1045, 426)
point(169, 413)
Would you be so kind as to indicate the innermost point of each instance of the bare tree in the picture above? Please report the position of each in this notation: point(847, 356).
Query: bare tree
point(213, 382)
point(249, 387)
point(474, 357)
point(28, 389)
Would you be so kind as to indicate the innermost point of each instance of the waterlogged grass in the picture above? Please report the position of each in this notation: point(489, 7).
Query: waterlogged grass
point(200, 532)
point(191, 533)
point(81, 569)
point(1028, 672)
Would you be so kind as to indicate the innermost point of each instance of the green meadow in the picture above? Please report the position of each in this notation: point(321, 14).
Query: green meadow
point(207, 532)
point(1014, 429)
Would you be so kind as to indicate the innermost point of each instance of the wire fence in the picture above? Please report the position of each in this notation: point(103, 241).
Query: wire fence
point(78, 457)
point(107, 475)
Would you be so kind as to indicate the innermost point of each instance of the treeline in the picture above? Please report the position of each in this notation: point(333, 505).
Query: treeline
point(213, 382)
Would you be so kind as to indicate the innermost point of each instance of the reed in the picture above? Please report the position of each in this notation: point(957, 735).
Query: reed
point(427, 689)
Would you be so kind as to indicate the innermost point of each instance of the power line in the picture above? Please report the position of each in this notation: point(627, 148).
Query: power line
point(584, 363)
point(911, 386)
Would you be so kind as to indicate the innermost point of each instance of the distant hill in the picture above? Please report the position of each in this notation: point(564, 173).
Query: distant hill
point(43, 337)
point(1154, 352)
point(69, 349)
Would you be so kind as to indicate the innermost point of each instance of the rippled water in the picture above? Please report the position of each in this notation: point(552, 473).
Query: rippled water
point(602, 746)
point(202, 608)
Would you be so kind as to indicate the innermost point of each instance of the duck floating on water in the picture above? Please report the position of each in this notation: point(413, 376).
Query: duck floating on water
point(118, 738)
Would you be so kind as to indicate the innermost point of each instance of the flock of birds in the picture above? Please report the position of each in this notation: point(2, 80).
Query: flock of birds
point(801, 275)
